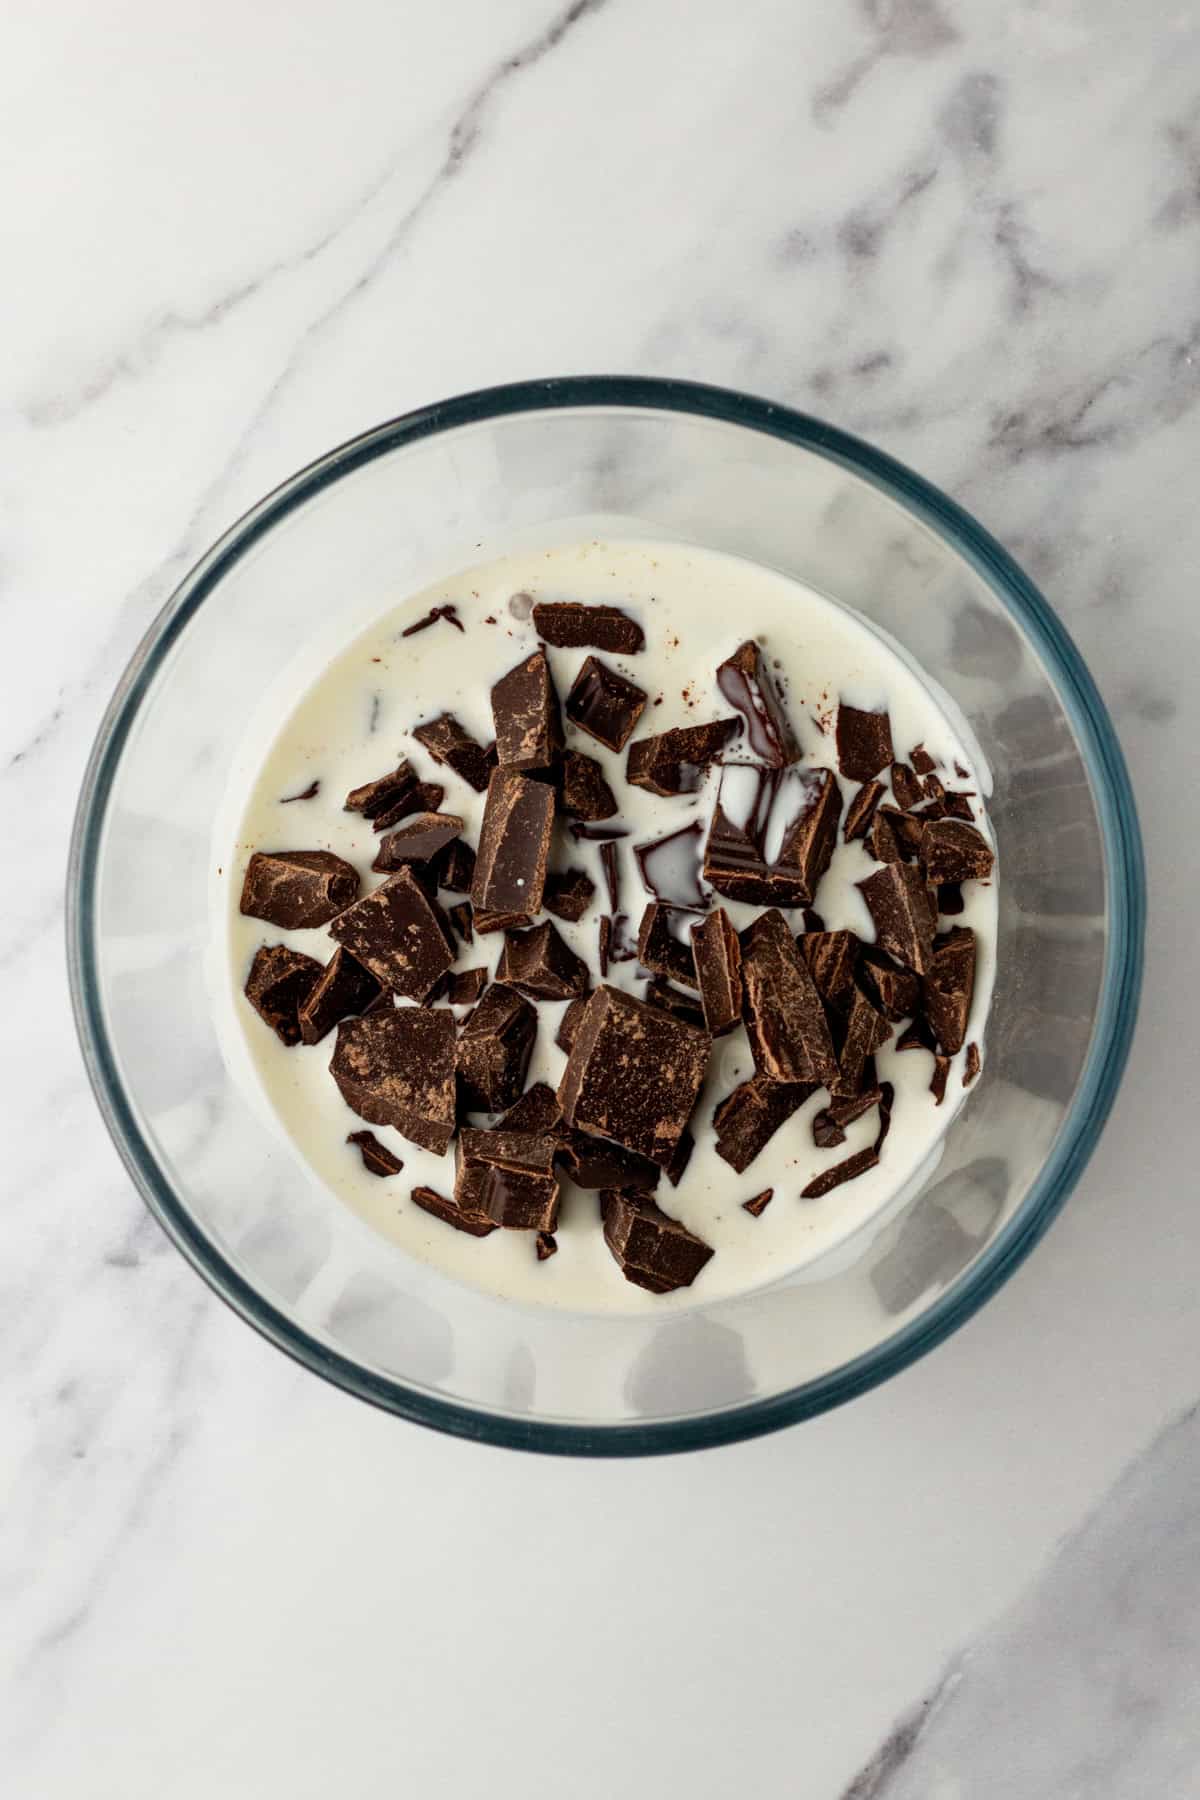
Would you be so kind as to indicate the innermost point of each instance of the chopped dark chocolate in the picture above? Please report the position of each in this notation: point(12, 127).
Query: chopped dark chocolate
point(449, 612)
point(546, 1244)
point(537, 1111)
point(773, 833)
point(494, 1048)
point(309, 793)
point(664, 944)
point(510, 1176)
point(297, 889)
point(848, 1170)
point(460, 917)
point(389, 798)
point(612, 874)
point(568, 1025)
point(421, 840)
point(585, 833)
point(921, 760)
point(463, 1218)
point(812, 920)
point(864, 742)
point(949, 987)
point(456, 867)
point(887, 1098)
point(758, 1206)
point(448, 742)
point(674, 762)
point(895, 991)
point(525, 709)
point(400, 934)
point(617, 944)
point(604, 704)
point(594, 1163)
point(569, 625)
point(950, 899)
point(669, 999)
point(397, 1068)
point(933, 788)
point(829, 1125)
point(941, 1073)
point(651, 1250)
point(957, 806)
point(671, 866)
point(917, 1036)
point(279, 982)
point(785, 1020)
point(747, 1119)
point(749, 689)
point(895, 836)
point(899, 903)
point(831, 957)
point(677, 1167)
point(514, 847)
point(464, 988)
point(568, 893)
point(951, 850)
point(345, 989)
point(866, 1031)
point(538, 962)
point(861, 810)
point(585, 792)
point(717, 957)
point(972, 1066)
point(633, 1074)
point(906, 789)
point(377, 1158)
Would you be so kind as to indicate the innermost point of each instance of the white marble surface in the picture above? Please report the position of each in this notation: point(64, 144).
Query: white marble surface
point(235, 234)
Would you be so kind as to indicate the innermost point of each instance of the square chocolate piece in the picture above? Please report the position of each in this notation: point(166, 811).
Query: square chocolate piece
point(864, 743)
point(514, 850)
point(494, 1048)
point(747, 685)
point(297, 889)
point(785, 1020)
point(651, 1250)
point(537, 1111)
point(604, 704)
point(633, 1074)
point(509, 1175)
point(569, 625)
point(529, 733)
point(675, 761)
point(397, 1068)
point(399, 934)
point(279, 982)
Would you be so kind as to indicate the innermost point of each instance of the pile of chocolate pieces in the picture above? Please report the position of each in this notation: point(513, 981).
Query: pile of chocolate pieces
point(816, 1007)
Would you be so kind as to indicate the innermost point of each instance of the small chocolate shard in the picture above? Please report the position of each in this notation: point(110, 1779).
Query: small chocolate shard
point(344, 990)
point(448, 742)
point(669, 999)
point(921, 760)
point(529, 733)
point(831, 957)
point(569, 625)
point(785, 1020)
point(895, 836)
point(464, 988)
point(509, 1175)
point(861, 811)
point(906, 789)
point(585, 833)
point(748, 1118)
point(279, 982)
point(895, 991)
point(539, 963)
point(957, 806)
point(758, 1206)
point(773, 833)
point(297, 890)
point(633, 1074)
point(568, 1025)
point(612, 874)
point(456, 867)
point(941, 1074)
point(866, 1030)
point(675, 761)
point(864, 742)
point(388, 799)
point(950, 899)
point(749, 689)
point(537, 1111)
point(949, 987)
point(848, 1170)
point(899, 904)
point(309, 793)
point(460, 917)
point(651, 1250)
point(829, 1125)
point(421, 840)
point(616, 942)
point(449, 612)
point(376, 1157)
point(917, 1036)
point(951, 850)
point(494, 1048)
point(594, 1163)
point(514, 849)
point(887, 1099)
point(469, 1219)
point(585, 792)
point(717, 957)
point(973, 1064)
point(397, 1068)
point(568, 893)
point(605, 704)
point(399, 934)
point(664, 944)
point(934, 789)
point(546, 1244)
point(677, 1167)
point(671, 866)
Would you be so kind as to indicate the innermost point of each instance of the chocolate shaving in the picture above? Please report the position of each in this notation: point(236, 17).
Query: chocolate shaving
point(537, 1111)
point(390, 798)
point(829, 1125)
point(758, 1206)
point(310, 793)
point(297, 889)
point(849, 1170)
point(449, 612)
point(279, 982)
point(585, 792)
point(749, 689)
point(377, 1158)
point(864, 742)
point(447, 742)
point(887, 1097)
point(675, 761)
point(469, 1219)
point(605, 704)
point(937, 1081)
point(569, 625)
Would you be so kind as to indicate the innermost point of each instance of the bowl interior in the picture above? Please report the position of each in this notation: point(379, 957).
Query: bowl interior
point(342, 543)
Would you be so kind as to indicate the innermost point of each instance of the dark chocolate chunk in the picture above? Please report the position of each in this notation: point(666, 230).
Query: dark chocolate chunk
point(401, 935)
point(957, 806)
point(514, 847)
point(917, 1036)
point(749, 1117)
point(309, 793)
point(906, 789)
point(831, 957)
point(921, 760)
point(895, 991)
point(651, 1250)
point(717, 956)
point(509, 1175)
point(616, 943)
point(866, 1031)
point(674, 762)
point(887, 1098)
point(612, 874)
point(397, 1068)
point(812, 920)
point(950, 899)
point(449, 612)
point(568, 1025)
point(773, 833)
point(848, 1170)
point(861, 810)
point(668, 999)
point(899, 903)
point(377, 1158)
point(344, 990)
point(864, 742)
point(460, 918)
point(585, 792)
point(465, 988)
point(749, 689)
point(529, 732)
point(584, 833)
point(949, 987)
point(895, 836)
point(279, 982)
point(954, 851)
point(297, 889)
point(421, 840)
point(633, 1074)
point(605, 704)
point(494, 1048)
point(463, 1218)
point(973, 1065)
point(785, 1020)
point(664, 944)
point(537, 1111)
point(758, 1206)
point(677, 1167)
point(941, 1073)
point(539, 963)
point(447, 742)
point(546, 1244)
point(568, 893)
point(387, 799)
point(456, 867)
point(933, 788)
point(595, 1163)
point(569, 625)
point(671, 867)
point(829, 1125)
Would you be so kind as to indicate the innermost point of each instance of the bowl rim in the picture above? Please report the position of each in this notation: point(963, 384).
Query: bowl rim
point(1124, 893)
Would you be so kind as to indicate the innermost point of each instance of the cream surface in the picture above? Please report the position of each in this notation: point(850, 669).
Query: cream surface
point(353, 723)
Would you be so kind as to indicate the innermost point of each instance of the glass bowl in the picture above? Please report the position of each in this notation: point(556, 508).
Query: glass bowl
point(451, 484)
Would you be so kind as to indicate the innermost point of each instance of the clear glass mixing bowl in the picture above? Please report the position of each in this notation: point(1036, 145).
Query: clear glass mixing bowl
point(356, 530)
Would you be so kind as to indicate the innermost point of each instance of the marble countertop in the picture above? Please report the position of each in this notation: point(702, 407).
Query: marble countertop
point(236, 235)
